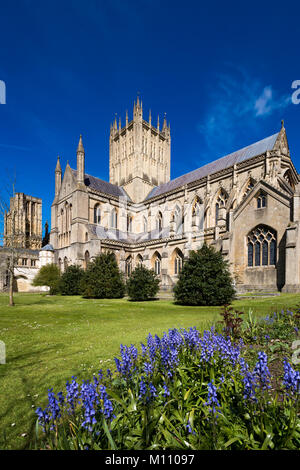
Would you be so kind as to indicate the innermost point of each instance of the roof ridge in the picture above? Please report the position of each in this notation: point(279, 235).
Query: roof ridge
point(272, 138)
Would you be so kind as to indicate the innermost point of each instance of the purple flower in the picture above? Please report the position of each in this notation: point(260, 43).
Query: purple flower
point(291, 379)
point(261, 371)
point(212, 398)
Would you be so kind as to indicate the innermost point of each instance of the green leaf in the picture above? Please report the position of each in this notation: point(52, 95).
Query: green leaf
point(231, 441)
point(111, 441)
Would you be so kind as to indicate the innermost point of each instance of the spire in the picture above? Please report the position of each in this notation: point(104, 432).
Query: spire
point(165, 122)
point(80, 145)
point(158, 122)
point(58, 167)
point(150, 118)
point(282, 124)
point(126, 118)
point(80, 162)
point(58, 174)
point(120, 126)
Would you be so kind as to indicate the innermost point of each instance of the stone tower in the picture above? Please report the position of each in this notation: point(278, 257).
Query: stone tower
point(139, 154)
point(23, 222)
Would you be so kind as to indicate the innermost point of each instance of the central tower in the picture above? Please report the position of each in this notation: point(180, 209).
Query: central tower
point(139, 154)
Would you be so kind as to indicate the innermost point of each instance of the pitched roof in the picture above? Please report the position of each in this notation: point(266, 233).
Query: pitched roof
point(103, 186)
point(239, 156)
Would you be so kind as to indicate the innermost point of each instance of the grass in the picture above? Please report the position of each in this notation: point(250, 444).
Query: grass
point(49, 339)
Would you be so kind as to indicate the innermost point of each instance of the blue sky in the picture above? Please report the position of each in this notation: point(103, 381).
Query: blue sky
point(222, 71)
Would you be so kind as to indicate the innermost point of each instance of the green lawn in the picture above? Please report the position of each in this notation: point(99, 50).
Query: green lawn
point(49, 339)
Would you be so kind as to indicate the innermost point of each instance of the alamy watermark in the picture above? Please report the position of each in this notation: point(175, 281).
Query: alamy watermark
point(2, 353)
point(2, 92)
point(296, 94)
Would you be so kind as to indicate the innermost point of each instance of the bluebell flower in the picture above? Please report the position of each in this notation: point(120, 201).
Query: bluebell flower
point(212, 399)
point(261, 371)
point(291, 379)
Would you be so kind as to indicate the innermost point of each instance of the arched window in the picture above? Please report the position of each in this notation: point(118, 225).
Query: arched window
point(156, 263)
point(59, 263)
point(178, 261)
point(159, 222)
point(262, 246)
point(86, 237)
point(97, 214)
point(221, 202)
point(139, 260)
point(65, 263)
point(70, 216)
point(114, 218)
point(129, 223)
point(261, 200)
point(128, 266)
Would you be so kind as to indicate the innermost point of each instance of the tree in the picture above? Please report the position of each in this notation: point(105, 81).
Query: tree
point(11, 237)
point(205, 279)
point(143, 284)
point(103, 279)
point(70, 280)
point(48, 275)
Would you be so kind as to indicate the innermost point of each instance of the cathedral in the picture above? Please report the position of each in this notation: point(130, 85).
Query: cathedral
point(246, 204)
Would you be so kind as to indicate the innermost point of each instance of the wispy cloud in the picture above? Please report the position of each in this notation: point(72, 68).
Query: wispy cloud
point(266, 103)
point(237, 105)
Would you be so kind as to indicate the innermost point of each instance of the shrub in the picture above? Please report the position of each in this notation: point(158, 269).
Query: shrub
point(103, 279)
point(70, 280)
point(204, 279)
point(48, 275)
point(143, 284)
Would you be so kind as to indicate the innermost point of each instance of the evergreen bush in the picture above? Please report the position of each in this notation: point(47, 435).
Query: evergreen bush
point(103, 279)
point(143, 284)
point(70, 281)
point(205, 279)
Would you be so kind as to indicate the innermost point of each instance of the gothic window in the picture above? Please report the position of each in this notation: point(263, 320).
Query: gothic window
point(221, 202)
point(159, 222)
point(261, 200)
point(261, 244)
point(157, 266)
point(139, 260)
point(178, 262)
point(114, 218)
point(129, 223)
point(128, 266)
point(97, 214)
point(65, 263)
